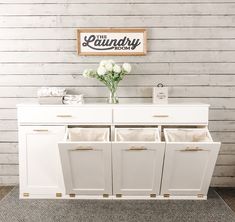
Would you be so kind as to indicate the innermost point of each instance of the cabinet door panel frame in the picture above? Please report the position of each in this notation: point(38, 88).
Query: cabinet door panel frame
point(118, 152)
point(209, 150)
point(100, 148)
point(50, 158)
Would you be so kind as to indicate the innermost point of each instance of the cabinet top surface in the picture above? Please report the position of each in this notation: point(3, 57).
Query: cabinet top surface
point(114, 105)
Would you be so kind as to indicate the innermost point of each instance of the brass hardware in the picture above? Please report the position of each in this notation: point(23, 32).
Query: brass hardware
point(26, 194)
point(105, 195)
point(58, 194)
point(166, 195)
point(200, 195)
point(72, 195)
point(40, 130)
point(64, 115)
point(82, 148)
point(118, 195)
point(161, 116)
point(137, 148)
point(192, 149)
point(153, 195)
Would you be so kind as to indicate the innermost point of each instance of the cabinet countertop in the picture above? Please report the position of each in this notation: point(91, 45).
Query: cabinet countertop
point(113, 105)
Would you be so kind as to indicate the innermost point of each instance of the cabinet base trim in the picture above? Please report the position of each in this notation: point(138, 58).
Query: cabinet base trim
point(112, 197)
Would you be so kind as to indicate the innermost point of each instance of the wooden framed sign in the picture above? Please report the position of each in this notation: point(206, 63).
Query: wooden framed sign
point(112, 41)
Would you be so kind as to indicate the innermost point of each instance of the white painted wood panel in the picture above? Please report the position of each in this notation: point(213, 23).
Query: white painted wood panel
point(134, 80)
point(9, 180)
point(119, 9)
point(151, 57)
point(8, 125)
point(146, 68)
point(9, 148)
point(153, 45)
point(108, 1)
point(117, 21)
point(124, 91)
point(153, 33)
point(9, 158)
point(192, 51)
point(9, 170)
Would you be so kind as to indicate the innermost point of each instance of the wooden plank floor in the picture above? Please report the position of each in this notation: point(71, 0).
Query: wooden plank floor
point(4, 190)
point(227, 194)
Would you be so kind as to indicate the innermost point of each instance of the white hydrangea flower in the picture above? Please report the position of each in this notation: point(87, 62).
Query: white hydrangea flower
point(109, 67)
point(117, 68)
point(126, 67)
point(101, 71)
point(86, 73)
point(103, 62)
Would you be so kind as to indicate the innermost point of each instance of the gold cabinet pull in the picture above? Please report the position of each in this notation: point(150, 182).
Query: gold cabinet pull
point(200, 195)
point(166, 195)
point(82, 148)
point(26, 194)
point(135, 148)
point(119, 195)
point(58, 194)
point(64, 115)
point(161, 116)
point(192, 149)
point(40, 130)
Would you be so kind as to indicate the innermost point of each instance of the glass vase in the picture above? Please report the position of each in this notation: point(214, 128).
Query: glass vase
point(113, 99)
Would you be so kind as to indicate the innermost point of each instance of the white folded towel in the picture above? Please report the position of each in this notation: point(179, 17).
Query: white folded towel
point(51, 91)
point(73, 99)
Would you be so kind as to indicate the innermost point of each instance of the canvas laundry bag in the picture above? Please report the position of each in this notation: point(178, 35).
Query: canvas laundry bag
point(88, 134)
point(181, 135)
point(138, 134)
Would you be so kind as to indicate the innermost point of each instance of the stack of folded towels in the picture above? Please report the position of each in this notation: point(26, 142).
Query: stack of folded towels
point(51, 95)
point(73, 99)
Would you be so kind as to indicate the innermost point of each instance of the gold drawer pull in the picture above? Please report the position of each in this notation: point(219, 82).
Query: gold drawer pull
point(161, 116)
point(192, 149)
point(135, 148)
point(64, 115)
point(40, 130)
point(82, 148)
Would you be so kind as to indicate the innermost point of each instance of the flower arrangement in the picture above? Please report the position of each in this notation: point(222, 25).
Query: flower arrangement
point(110, 74)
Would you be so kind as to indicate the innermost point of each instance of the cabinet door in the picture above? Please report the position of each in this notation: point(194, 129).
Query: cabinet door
point(188, 171)
point(86, 167)
point(137, 168)
point(40, 169)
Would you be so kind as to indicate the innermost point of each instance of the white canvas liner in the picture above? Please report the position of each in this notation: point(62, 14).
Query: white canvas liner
point(137, 134)
point(88, 134)
point(187, 135)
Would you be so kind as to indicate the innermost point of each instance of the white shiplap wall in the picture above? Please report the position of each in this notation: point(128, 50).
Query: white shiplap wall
point(191, 48)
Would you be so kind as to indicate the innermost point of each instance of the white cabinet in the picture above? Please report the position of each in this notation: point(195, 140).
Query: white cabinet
point(40, 169)
point(137, 168)
point(86, 167)
point(115, 151)
point(188, 166)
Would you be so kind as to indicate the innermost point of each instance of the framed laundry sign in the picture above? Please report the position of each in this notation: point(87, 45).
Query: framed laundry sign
point(112, 41)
